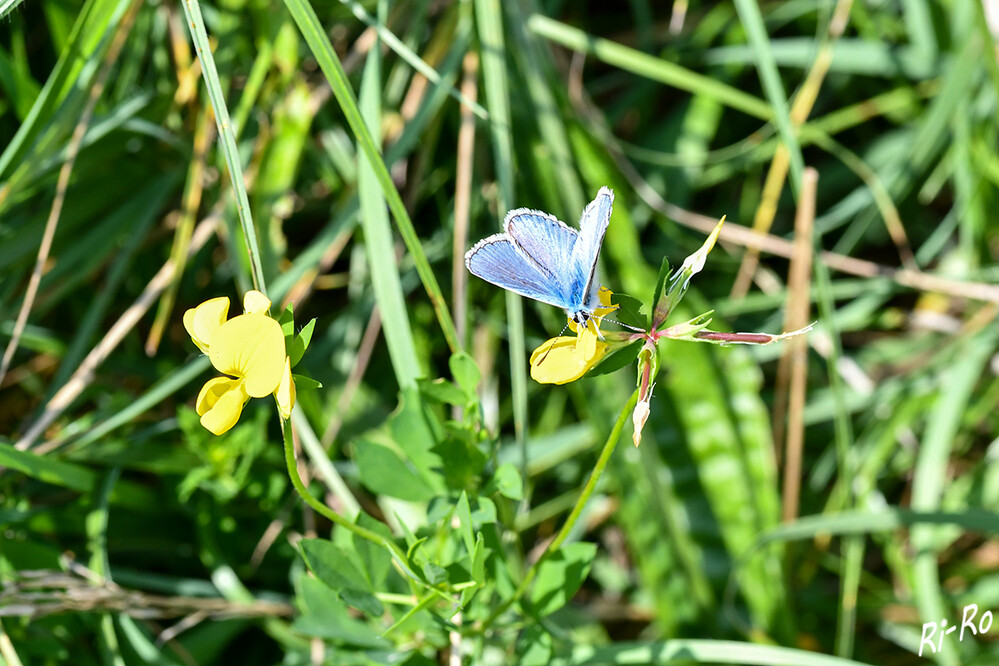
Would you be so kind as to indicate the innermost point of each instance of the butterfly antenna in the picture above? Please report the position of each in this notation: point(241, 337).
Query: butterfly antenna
point(552, 345)
point(619, 323)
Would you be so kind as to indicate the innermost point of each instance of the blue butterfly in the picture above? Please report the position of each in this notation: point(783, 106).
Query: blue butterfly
point(540, 257)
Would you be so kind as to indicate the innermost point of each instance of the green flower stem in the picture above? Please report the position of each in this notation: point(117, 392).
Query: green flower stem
point(584, 496)
point(322, 509)
point(227, 138)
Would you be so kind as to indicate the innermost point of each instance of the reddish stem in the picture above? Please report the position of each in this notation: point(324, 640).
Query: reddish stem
point(751, 338)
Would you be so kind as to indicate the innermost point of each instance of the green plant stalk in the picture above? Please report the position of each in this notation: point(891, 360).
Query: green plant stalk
point(228, 140)
point(495, 80)
point(312, 30)
point(651, 67)
point(337, 519)
point(591, 484)
point(752, 22)
point(411, 58)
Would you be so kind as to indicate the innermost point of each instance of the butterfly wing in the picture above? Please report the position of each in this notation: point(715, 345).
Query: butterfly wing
point(495, 259)
point(592, 227)
point(544, 240)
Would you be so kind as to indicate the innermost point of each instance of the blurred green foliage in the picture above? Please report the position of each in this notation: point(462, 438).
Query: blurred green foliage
point(131, 535)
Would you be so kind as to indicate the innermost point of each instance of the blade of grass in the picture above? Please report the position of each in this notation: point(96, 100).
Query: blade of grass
point(956, 384)
point(752, 21)
point(414, 60)
point(788, 152)
point(699, 651)
point(7, 6)
point(489, 21)
point(535, 67)
point(308, 24)
point(75, 477)
point(139, 214)
point(83, 375)
point(192, 10)
point(96, 525)
point(69, 78)
point(156, 394)
point(648, 66)
point(378, 242)
point(62, 185)
point(191, 201)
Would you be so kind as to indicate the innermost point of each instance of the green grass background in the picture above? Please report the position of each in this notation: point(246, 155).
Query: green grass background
point(322, 142)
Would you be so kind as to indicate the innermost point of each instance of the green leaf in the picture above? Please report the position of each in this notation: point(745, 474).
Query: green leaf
point(374, 558)
point(664, 271)
point(416, 430)
point(680, 279)
point(287, 321)
point(335, 567)
point(324, 615)
point(384, 471)
point(629, 311)
point(534, 647)
point(303, 383)
point(464, 515)
point(483, 511)
point(560, 575)
point(507, 481)
point(442, 391)
point(688, 330)
point(461, 460)
point(363, 601)
point(434, 573)
point(465, 373)
point(301, 342)
point(479, 554)
point(331, 564)
point(616, 359)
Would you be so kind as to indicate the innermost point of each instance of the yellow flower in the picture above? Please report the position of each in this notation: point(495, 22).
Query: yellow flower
point(203, 321)
point(249, 349)
point(565, 358)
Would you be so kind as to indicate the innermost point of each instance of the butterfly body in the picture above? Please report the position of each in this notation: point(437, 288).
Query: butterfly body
point(538, 256)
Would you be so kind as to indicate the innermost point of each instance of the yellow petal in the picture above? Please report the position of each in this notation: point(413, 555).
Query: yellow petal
point(255, 302)
point(203, 322)
point(565, 358)
point(226, 410)
point(212, 391)
point(285, 393)
point(606, 307)
point(251, 347)
point(586, 342)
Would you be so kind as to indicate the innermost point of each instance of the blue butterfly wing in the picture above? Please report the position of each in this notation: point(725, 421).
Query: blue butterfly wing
point(495, 259)
point(544, 240)
point(592, 227)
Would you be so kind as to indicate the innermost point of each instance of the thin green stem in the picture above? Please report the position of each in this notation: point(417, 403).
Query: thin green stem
point(570, 522)
point(227, 138)
point(323, 510)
